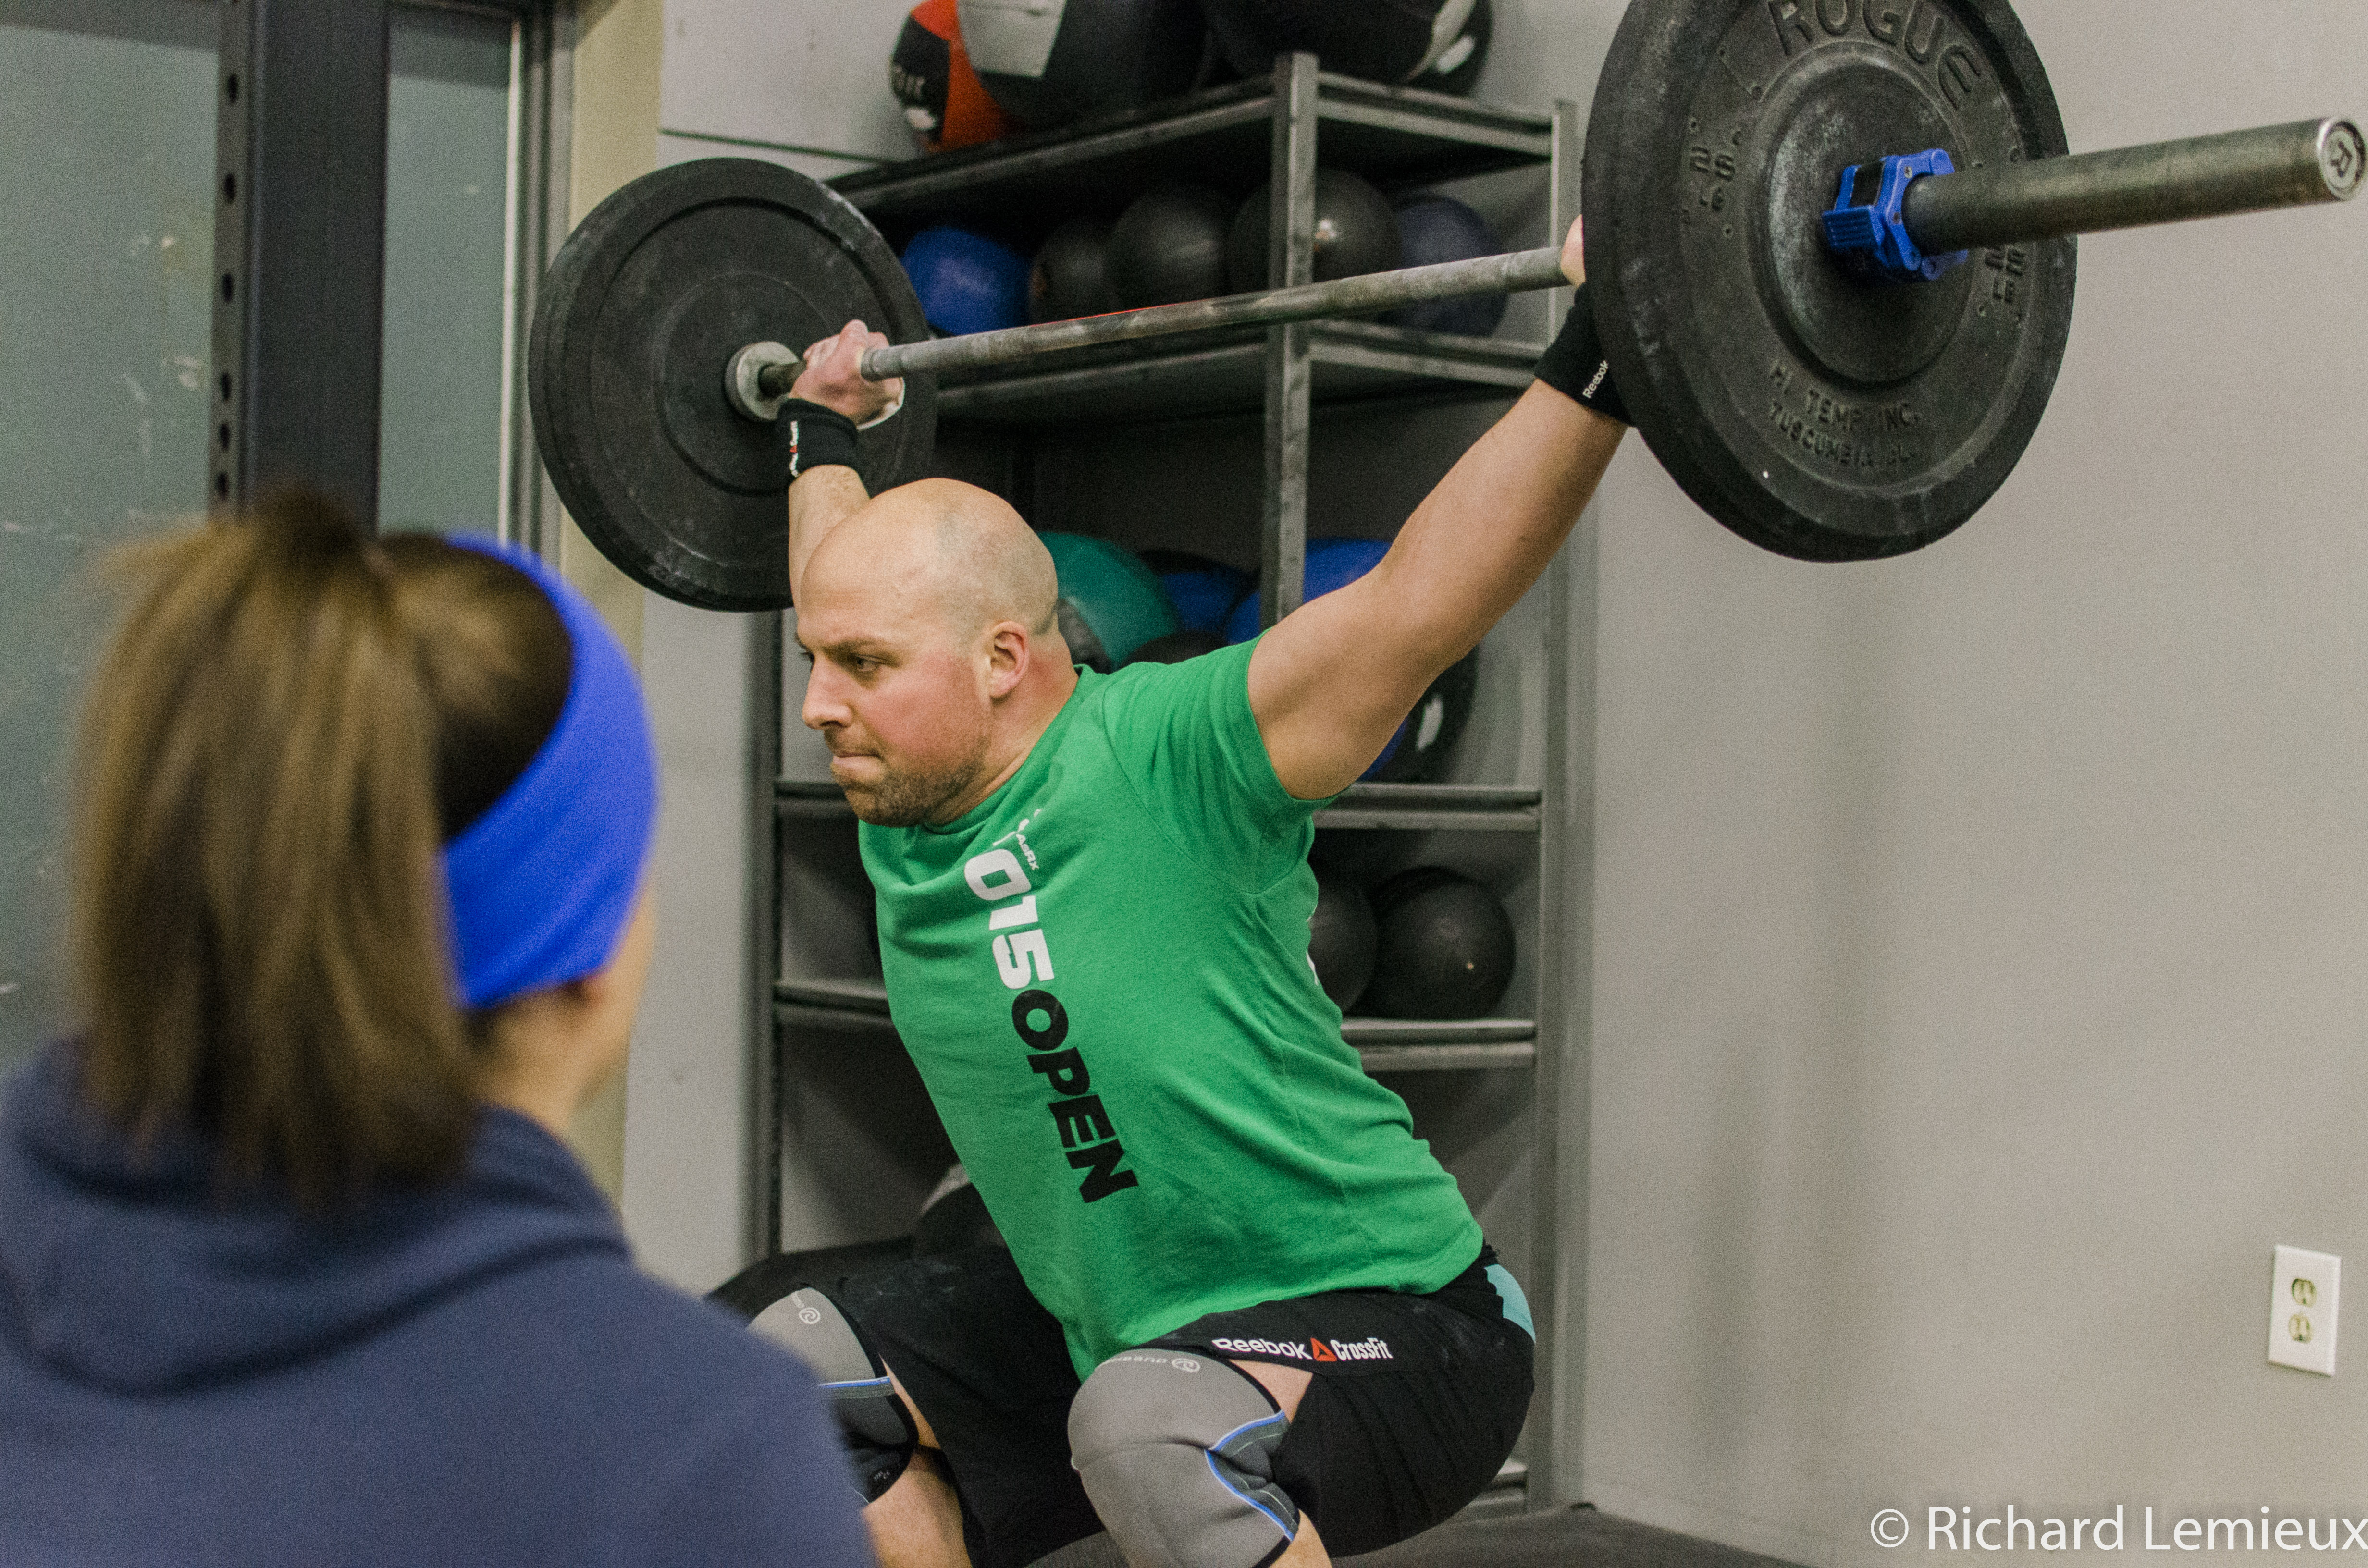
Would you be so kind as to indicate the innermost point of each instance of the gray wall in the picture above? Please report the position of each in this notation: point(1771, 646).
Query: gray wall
point(1982, 937)
point(687, 1092)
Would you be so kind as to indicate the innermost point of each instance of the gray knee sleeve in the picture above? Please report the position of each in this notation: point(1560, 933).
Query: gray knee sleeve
point(879, 1431)
point(1176, 1452)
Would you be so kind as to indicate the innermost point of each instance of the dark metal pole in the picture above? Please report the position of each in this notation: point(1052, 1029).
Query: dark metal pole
point(1290, 348)
point(299, 248)
point(2168, 182)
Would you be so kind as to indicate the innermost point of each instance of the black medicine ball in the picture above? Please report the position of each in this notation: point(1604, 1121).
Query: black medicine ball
point(1052, 62)
point(1177, 647)
point(1070, 278)
point(1170, 245)
point(1419, 749)
point(955, 1222)
point(1356, 232)
point(1434, 227)
point(1457, 68)
point(1340, 939)
point(1446, 948)
point(1433, 44)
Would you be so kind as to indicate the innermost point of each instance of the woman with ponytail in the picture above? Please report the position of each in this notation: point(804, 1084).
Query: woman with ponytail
point(294, 1267)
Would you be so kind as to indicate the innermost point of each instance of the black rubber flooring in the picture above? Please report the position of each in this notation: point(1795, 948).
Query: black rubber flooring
point(1581, 1536)
point(1579, 1539)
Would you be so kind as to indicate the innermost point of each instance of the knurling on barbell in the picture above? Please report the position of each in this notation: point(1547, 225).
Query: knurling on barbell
point(1812, 404)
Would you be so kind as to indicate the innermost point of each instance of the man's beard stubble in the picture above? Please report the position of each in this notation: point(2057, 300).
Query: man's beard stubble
point(908, 796)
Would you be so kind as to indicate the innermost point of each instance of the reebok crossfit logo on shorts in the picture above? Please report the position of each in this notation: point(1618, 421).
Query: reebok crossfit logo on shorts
point(1317, 1350)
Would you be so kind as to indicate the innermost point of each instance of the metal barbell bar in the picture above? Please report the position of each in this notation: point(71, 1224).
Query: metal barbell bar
point(2166, 182)
point(765, 372)
point(2301, 164)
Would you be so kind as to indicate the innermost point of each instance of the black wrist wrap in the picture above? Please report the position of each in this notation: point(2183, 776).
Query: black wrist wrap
point(818, 437)
point(1574, 364)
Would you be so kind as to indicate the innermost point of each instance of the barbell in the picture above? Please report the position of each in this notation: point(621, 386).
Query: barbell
point(1829, 244)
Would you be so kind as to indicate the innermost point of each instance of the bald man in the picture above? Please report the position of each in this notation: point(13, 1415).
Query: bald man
point(1245, 1317)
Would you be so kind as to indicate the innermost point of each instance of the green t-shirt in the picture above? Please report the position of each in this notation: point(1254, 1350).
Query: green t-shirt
point(1102, 974)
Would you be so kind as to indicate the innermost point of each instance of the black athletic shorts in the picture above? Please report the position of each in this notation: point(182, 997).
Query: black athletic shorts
point(1416, 1401)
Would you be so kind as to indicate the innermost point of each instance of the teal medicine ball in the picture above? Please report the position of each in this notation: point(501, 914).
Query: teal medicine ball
point(1111, 603)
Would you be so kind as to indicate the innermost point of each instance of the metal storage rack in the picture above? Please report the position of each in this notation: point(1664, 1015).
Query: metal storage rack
point(864, 1140)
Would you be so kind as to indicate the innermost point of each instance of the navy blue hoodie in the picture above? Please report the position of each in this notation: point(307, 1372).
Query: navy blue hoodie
point(471, 1374)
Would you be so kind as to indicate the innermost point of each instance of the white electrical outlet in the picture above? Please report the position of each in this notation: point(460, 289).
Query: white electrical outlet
point(2302, 1309)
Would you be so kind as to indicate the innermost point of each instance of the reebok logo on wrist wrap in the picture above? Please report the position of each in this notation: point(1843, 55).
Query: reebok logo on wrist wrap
point(819, 437)
point(1574, 364)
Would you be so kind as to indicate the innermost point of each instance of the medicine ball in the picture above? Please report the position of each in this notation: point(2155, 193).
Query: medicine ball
point(1356, 232)
point(1433, 44)
point(1070, 278)
point(1052, 62)
point(1418, 748)
point(1342, 935)
point(1204, 592)
point(954, 1220)
point(767, 1279)
point(1170, 245)
point(1332, 563)
point(1457, 69)
point(1111, 604)
point(1178, 646)
point(966, 282)
point(1418, 751)
point(1445, 949)
point(931, 77)
point(1434, 227)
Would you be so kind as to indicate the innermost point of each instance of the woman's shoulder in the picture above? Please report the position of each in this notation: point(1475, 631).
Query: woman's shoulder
point(584, 1309)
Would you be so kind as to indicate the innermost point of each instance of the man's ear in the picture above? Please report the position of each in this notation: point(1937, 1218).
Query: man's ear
point(1009, 651)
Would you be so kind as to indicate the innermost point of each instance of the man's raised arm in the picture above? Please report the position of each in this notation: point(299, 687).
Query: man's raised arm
point(1333, 680)
point(828, 401)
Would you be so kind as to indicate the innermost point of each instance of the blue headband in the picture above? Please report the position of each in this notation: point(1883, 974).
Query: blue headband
point(542, 885)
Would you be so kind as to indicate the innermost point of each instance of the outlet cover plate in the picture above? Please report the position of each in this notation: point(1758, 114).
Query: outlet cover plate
point(2302, 1309)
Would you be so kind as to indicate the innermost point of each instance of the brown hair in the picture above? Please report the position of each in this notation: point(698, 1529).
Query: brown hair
point(291, 721)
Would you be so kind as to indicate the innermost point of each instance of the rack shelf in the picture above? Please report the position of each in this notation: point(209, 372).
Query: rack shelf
point(1417, 807)
point(1387, 1045)
point(1194, 374)
point(1395, 136)
point(1433, 807)
point(869, 997)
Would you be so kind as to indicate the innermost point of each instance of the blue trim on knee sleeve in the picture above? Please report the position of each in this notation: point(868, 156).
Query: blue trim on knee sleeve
point(1214, 1449)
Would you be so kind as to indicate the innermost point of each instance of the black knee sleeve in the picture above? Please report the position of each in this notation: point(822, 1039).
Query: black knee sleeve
point(878, 1428)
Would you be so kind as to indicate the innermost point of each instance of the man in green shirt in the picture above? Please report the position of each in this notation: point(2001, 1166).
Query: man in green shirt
point(1245, 1317)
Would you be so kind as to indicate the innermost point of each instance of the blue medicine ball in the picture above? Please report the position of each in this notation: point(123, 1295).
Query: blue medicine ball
point(1331, 563)
point(1420, 746)
point(1204, 592)
point(1204, 596)
point(967, 282)
point(1435, 228)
